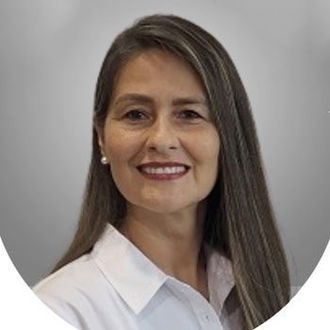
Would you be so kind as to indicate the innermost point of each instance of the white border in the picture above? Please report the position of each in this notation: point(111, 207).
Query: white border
point(21, 309)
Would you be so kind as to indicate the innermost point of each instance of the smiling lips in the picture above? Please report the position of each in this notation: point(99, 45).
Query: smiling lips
point(163, 171)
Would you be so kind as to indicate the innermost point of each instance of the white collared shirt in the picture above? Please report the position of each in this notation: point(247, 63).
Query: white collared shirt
point(117, 287)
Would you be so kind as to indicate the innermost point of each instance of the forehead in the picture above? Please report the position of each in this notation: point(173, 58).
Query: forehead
point(158, 72)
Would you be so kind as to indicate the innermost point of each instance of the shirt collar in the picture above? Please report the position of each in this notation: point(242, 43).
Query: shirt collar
point(220, 277)
point(137, 279)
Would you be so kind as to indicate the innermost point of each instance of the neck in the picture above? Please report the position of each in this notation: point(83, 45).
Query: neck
point(171, 241)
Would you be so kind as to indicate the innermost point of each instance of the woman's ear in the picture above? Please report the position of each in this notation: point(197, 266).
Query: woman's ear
point(101, 145)
point(100, 140)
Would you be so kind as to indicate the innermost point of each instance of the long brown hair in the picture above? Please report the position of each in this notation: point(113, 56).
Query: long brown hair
point(239, 219)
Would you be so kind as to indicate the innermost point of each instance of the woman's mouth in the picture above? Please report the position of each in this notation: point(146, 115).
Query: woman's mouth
point(163, 171)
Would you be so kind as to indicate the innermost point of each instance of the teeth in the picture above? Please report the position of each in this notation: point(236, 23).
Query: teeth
point(164, 170)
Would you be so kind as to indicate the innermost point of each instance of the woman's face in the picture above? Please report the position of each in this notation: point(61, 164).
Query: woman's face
point(159, 139)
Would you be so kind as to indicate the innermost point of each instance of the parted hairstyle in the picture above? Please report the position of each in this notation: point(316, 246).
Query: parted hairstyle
point(239, 219)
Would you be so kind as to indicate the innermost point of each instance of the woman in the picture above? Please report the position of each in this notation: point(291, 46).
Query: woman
point(176, 229)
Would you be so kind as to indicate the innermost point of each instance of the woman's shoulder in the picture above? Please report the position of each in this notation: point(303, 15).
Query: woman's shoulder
point(77, 283)
point(69, 278)
point(76, 290)
point(63, 290)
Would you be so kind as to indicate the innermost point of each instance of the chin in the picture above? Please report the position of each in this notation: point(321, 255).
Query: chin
point(166, 207)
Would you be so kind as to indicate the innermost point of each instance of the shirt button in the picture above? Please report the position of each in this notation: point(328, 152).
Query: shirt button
point(206, 318)
point(210, 319)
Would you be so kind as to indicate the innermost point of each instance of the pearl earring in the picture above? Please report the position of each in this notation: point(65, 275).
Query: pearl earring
point(104, 160)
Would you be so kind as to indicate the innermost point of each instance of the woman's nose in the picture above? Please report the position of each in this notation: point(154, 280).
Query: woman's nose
point(162, 136)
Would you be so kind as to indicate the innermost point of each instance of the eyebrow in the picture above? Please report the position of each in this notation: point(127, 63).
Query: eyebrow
point(149, 100)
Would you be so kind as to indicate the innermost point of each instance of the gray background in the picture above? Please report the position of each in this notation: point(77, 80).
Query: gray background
point(51, 52)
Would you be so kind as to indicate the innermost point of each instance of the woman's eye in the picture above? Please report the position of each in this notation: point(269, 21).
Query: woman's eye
point(135, 115)
point(189, 114)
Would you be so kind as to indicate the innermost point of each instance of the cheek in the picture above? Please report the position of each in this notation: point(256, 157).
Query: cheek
point(209, 150)
point(207, 171)
point(119, 152)
point(120, 146)
point(121, 149)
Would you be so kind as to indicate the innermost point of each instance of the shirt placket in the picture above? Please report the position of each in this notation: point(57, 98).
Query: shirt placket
point(203, 311)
